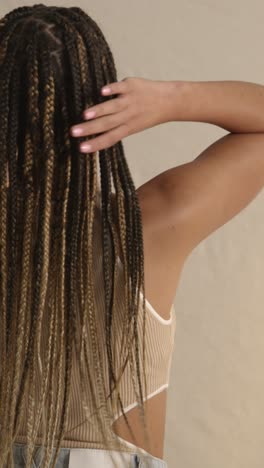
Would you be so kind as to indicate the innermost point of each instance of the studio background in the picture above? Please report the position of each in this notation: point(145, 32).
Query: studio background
point(216, 395)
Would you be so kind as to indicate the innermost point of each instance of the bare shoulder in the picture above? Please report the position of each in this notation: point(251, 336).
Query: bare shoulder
point(186, 204)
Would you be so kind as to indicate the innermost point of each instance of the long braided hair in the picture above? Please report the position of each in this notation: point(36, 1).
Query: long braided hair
point(53, 64)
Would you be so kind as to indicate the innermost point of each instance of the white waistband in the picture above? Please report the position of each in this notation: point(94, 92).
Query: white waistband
point(95, 458)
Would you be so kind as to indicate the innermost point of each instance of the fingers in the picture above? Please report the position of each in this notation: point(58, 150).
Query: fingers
point(105, 116)
point(111, 108)
point(118, 87)
point(105, 108)
point(104, 141)
point(101, 124)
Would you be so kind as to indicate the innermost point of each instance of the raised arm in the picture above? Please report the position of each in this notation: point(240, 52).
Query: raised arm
point(236, 106)
point(204, 194)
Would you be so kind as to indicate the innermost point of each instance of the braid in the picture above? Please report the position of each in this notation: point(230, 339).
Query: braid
point(62, 270)
point(48, 111)
point(4, 295)
point(137, 247)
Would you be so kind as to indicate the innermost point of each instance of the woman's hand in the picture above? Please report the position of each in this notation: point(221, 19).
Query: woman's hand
point(140, 104)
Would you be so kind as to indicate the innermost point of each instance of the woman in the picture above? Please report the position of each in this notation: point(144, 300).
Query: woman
point(74, 348)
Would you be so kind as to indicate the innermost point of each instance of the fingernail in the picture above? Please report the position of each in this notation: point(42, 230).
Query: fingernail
point(89, 115)
point(77, 131)
point(85, 147)
point(106, 90)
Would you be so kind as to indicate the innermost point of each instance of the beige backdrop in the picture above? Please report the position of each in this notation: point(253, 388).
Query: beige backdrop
point(216, 397)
